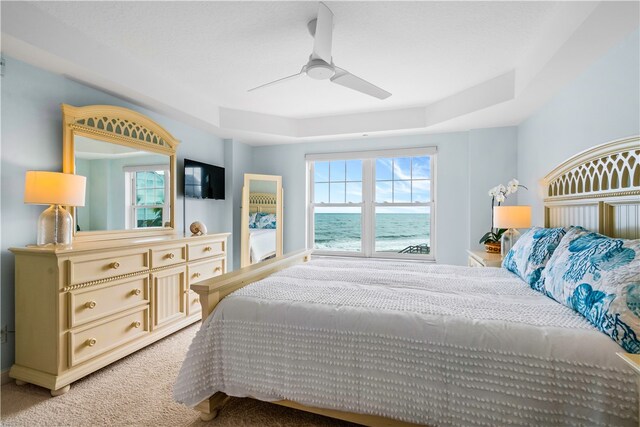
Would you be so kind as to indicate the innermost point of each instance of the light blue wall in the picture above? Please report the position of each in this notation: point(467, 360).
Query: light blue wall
point(492, 161)
point(239, 156)
point(458, 153)
point(32, 140)
point(83, 214)
point(600, 105)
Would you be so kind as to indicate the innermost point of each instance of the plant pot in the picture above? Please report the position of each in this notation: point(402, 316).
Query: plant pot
point(492, 247)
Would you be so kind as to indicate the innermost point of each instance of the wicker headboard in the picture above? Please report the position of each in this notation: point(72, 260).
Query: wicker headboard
point(262, 202)
point(598, 189)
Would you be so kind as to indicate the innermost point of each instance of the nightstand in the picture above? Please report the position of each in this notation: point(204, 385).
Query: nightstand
point(483, 259)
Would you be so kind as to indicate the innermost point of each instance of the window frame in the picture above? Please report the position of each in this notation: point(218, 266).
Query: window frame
point(130, 195)
point(368, 204)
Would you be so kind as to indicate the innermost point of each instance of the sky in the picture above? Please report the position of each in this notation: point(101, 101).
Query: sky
point(398, 180)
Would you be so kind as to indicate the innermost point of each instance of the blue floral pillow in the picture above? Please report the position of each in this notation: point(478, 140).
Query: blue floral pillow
point(266, 221)
point(252, 220)
point(530, 254)
point(262, 220)
point(599, 277)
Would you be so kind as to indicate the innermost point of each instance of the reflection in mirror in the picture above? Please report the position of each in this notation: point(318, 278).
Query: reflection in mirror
point(127, 188)
point(262, 220)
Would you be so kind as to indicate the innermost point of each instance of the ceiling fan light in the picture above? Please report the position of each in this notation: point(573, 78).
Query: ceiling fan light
point(320, 70)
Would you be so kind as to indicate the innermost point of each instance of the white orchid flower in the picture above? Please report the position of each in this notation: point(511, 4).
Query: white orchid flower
point(500, 198)
point(509, 191)
point(493, 192)
point(502, 189)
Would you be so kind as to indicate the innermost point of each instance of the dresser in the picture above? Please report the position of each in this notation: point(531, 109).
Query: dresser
point(82, 307)
point(483, 259)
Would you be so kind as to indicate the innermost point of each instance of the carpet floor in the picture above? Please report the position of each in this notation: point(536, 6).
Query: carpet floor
point(136, 391)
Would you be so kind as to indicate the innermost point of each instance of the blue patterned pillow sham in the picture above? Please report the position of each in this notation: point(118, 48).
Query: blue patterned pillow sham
point(262, 220)
point(530, 254)
point(599, 277)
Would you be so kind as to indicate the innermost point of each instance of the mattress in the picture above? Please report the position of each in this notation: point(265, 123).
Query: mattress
point(262, 243)
point(423, 343)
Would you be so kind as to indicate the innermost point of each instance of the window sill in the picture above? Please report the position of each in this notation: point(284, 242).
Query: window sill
point(388, 257)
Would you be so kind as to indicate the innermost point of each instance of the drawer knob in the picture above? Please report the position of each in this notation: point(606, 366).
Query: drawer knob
point(115, 265)
point(90, 304)
point(170, 256)
point(196, 274)
point(208, 249)
point(136, 324)
point(91, 342)
point(136, 291)
point(217, 269)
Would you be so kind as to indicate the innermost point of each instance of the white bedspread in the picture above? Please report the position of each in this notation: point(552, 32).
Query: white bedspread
point(262, 242)
point(430, 344)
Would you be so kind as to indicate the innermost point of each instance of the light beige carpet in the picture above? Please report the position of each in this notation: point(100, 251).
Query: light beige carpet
point(136, 391)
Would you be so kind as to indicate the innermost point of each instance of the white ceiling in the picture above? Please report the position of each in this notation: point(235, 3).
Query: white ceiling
point(449, 65)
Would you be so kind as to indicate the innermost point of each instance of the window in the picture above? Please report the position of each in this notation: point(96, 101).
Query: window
point(147, 196)
point(374, 204)
point(338, 205)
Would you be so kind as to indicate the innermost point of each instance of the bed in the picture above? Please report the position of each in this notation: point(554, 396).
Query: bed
point(262, 244)
point(400, 343)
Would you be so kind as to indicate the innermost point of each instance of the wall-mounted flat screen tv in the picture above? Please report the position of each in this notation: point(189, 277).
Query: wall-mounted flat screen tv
point(203, 181)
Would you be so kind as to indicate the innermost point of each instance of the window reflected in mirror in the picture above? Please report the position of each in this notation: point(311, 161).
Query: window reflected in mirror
point(127, 188)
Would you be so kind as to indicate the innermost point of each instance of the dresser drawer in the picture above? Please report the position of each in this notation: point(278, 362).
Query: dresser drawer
point(205, 250)
point(168, 255)
point(205, 270)
point(113, 332)
point(89, 304)
point(105, 265)
point(193, 303)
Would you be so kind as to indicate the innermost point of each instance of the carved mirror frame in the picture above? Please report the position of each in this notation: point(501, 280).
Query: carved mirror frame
point(118, 125)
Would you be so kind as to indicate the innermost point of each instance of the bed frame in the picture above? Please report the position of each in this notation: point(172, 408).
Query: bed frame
point(598, 189)
point(262, 202)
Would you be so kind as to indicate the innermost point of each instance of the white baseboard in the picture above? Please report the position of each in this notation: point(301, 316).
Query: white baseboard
point(4, 377)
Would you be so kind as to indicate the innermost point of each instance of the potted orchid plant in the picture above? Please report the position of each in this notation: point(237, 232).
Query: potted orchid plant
point(491, 239)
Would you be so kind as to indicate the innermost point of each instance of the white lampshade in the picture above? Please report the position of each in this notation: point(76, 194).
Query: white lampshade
point(512, 216)
point(54, 188)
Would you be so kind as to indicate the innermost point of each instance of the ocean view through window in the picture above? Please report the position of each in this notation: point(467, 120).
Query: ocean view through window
point(373, 204)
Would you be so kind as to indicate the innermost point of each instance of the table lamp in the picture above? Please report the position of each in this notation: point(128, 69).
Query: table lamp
point(55, 225)
point(511, 218)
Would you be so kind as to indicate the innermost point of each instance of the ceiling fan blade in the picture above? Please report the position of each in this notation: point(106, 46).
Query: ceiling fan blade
point(284, 79)
point(323, 35)
point(346, 79)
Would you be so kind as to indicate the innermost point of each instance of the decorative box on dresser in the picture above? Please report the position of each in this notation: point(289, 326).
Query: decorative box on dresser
point(483, 259)
point(81, 307)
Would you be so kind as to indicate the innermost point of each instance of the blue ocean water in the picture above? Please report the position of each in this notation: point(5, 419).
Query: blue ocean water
point(394, 231)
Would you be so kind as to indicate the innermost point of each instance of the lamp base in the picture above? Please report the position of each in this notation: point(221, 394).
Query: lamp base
point(508, 239)
point(55, 226)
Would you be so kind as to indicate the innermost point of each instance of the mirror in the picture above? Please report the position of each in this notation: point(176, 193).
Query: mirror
point(261, 218)
point(129, 162)
point(126, 188)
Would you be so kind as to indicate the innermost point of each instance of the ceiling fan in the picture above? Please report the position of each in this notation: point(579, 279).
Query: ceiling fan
point(320, 65)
